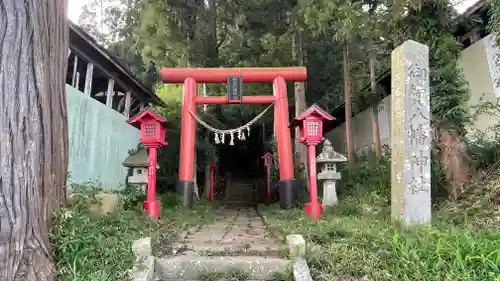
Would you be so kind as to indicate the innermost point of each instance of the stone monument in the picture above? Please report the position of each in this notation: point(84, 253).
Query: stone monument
point(410, 134)
point(138, 169)
point(328, 159)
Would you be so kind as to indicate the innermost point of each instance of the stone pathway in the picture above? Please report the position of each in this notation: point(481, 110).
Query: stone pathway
point(235, 232)
point(236, 240)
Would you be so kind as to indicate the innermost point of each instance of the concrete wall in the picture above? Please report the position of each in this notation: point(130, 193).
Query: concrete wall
point(99, 141)
point(474, 63)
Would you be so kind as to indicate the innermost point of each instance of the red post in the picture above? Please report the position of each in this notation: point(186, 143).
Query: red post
point(151, 205)
point(212, 180)
point(287, 188)
point(267, 158)
point(283, 133)
point(185, 185)
point(313, 208)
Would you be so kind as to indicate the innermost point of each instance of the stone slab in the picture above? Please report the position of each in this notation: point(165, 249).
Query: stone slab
point(182, 268)
point(296, 245)
point(144, 269)
point(301, 270)
point(142, 247)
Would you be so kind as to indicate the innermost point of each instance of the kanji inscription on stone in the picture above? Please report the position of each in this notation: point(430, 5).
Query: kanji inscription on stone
point(410, 134)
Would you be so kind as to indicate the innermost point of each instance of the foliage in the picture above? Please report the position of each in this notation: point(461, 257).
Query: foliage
point(375, 174)
point(484, 153)
point(111, 23)
point(494, 20)
point(301, 181)
point(357, 240)
point(88, 246)
point(168, 156)
point(432, 25)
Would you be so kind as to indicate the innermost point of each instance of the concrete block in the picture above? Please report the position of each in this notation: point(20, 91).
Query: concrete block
point(144, 269)
point(142, 247)
point(296, 245)
point(108, 203)
point(301, 270)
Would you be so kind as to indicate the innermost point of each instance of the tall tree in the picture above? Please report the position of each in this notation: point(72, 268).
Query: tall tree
point(34, 136)
point(344, 19)
point(374, 31)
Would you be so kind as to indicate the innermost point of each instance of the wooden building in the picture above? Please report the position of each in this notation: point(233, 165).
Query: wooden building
point(95, 72)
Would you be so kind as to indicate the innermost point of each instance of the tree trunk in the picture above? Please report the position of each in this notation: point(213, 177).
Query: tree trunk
point(347, 96)
point(300, 93)
point(375, 124)
point(453, 159)
point(34, 138)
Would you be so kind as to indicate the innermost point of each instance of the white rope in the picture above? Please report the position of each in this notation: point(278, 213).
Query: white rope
point(219, 135)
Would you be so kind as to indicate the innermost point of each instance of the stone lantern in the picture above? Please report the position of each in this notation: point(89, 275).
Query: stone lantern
point(138, 169)
point(328, 160)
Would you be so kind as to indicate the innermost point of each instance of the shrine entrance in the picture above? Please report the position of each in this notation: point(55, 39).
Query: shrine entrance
point(243, 160)
point(234, 77)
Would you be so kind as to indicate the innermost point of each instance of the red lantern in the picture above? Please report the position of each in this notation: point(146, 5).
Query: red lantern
point(311, 125)
point(153, 130)
point(153, 127)
point(311, 133)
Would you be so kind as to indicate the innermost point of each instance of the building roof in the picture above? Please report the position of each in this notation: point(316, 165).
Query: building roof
point(86, 47)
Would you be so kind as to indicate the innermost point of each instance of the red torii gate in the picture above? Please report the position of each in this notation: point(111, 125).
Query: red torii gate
point(278, 76)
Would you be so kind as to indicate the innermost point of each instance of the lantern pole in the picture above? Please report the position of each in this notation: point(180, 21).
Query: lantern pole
point(313, 208)
point(311, 134)
point(151, 204)
point(153, 130)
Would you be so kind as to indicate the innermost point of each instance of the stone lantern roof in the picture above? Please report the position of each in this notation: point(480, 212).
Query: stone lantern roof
point(328, 155)
point(140, 159)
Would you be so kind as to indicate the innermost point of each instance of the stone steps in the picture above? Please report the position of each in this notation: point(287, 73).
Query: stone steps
point(189, 268)
point(237, 240)
point(241, 194)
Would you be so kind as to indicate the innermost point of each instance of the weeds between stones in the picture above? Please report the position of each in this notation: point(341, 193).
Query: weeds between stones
point(91, 247)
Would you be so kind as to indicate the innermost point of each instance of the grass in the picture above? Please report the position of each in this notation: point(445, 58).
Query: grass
point(232, 275)
point(90, 247)
point(349, 242)
point(240, 275)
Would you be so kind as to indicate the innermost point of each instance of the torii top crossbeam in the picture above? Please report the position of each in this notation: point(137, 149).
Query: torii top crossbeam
point(219, 75)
